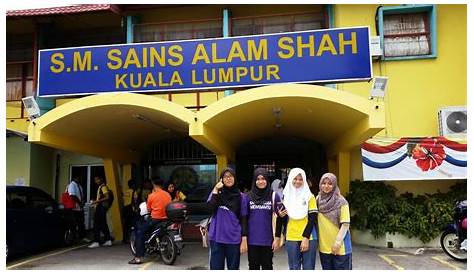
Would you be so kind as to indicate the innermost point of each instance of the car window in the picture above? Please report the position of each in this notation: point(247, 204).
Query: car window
point(40, 200)
point(16, 200)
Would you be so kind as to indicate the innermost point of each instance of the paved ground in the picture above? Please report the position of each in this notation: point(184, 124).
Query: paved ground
point(194, 256)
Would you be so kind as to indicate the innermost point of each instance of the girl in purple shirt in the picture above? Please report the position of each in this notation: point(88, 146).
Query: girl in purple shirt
point(260, 204)
point(226, 203)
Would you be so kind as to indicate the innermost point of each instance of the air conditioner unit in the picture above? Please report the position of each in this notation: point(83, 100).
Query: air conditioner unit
point(453, 121)
point(31, 107)
point(375, 46)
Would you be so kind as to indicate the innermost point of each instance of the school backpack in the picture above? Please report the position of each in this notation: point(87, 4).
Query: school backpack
point(110, 200)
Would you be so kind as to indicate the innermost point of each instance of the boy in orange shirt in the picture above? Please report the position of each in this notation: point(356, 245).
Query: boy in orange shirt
point(156, 204)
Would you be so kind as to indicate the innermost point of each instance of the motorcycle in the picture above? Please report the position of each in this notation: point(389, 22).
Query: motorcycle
point(454, 238)
point(165, 238)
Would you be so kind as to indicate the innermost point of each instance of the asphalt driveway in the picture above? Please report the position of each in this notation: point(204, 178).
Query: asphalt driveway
point(194, 256)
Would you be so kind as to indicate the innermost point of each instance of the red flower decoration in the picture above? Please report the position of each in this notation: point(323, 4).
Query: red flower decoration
point(429, 154)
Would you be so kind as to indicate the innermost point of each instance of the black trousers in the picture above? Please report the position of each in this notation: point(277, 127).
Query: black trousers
point(100, 224)
point(130, 217)
point(260, 257)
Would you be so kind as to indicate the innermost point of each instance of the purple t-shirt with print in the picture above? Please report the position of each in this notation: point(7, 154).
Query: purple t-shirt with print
point(260, 231)
point(225, 226)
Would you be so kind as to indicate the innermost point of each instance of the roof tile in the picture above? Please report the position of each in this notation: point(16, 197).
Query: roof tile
point(59, 10)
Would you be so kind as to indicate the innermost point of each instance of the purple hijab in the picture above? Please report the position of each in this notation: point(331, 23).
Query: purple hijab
point(329, 204)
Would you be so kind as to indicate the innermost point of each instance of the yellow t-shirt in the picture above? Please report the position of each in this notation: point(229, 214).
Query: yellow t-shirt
point(327, 232)
point(179, 196)
point(102, 191)
point(127, 197)
point(295, 228)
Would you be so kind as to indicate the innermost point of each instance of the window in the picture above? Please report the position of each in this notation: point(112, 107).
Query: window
point(16, 200)
point(40, 200)
point(278, 23)
point(177, 31)
point(19, 81)
point(408, 32)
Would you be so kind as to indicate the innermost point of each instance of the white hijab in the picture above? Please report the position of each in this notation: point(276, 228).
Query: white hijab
point(296, 200)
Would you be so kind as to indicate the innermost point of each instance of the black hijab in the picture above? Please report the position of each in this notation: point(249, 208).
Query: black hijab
point(257, 195)
point(230, 196)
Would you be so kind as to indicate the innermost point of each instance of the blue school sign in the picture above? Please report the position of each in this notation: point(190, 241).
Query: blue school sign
point(317, 56)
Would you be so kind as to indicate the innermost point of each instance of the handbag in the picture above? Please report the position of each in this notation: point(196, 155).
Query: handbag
point(67, 200)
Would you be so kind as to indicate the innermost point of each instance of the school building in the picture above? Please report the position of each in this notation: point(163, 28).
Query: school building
point(252, 101)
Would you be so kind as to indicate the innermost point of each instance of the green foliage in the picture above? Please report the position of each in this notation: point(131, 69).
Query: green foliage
point(375, 207)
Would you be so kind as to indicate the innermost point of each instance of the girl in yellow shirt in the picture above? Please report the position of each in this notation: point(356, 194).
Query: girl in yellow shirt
point(300, 206)
point(176, 195)
point(335, 248)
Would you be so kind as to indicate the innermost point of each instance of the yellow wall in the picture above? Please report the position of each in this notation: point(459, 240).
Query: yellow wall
point(417, 88)
point(421, 187)
point(13, 114)
point(184, 99)
point(17, 160)
point(42, 168)
point(63, 101)
point(13, 109)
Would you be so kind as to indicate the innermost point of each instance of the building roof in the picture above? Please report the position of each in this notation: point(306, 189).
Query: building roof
point(59, 10)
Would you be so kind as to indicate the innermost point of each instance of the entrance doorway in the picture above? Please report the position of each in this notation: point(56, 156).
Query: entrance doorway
point(86, 174)
point(278, 155)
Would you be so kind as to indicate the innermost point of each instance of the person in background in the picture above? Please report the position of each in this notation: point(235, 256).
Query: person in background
point(131, 209)
point(227, 234)
point(261, 203)
point(156, 205)
point(146, 189)
point(75, 191)
point(277, 188)
point(335, 245)
point(176, 195)
point(100, 215)
point(301, 235)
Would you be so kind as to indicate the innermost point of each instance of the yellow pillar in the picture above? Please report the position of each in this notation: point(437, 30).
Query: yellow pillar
point(222, 162)
point(126, 175)
point(343, 171)
point(332, 165)
point(113, 182)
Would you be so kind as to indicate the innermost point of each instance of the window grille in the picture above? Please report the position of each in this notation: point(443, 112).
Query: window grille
point(270, 168)
point(19, 82)
point(277, 23)
point(406, 34)
point(177, 30)
point(179, 150)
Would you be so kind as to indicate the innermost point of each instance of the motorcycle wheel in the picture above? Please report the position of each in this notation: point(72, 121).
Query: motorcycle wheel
point(132, 243)
point(68, 237)
point(450, 245)
point(168, 249)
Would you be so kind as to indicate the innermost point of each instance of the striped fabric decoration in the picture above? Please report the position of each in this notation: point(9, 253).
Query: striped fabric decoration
point(414, 159)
